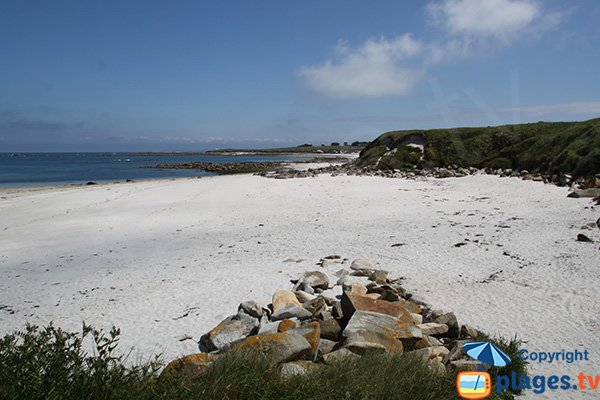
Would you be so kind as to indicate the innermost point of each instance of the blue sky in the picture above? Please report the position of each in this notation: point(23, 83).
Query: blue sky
point(195, 75)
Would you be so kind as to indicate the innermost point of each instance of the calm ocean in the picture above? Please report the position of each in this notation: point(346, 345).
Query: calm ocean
point(35, 169)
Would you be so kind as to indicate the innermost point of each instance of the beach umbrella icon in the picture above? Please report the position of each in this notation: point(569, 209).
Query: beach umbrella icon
point(487, 353)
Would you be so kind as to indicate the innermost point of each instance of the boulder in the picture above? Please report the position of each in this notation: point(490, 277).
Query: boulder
point(427, 341)
point(417, 318)
point(356, 288)
point(468, 331)
point(286, 305)
point(267, 326)
point(362, 342)
point(287, 325)
point(433, 328)
point(277, 347)
point(428, 353)
point(339, 355)
point(362, 265)
point(284, 298)
point(331, 329)
point(228, 331)
point(352, 303)
point(579, 193)
point(316, 279)
point(189, 367)
point(379, 276)
point(312, 333)
point(337, 311)
point(303, 296)
point(457, 351)
point(444, 173)
point(291, 311)
point(450, 320)
point(383, 323)
point(251, 308)
point(325, 347)
point(315, 306)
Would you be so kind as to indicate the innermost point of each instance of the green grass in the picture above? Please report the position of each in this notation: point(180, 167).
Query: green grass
point(49, 363)
point(544, 147)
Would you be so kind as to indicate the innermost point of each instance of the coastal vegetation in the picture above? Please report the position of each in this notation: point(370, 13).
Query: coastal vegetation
point(544, 147)
point(50, 363)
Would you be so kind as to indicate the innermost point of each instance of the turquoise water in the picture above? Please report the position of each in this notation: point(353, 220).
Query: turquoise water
point(35, 169)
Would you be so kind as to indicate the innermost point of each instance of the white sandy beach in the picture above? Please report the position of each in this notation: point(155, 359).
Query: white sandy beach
point(170, 258)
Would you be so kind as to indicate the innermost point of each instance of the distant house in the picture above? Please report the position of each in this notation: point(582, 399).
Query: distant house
point(345, 143)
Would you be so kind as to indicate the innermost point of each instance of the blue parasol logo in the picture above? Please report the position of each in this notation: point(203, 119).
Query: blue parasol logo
point(487, 353)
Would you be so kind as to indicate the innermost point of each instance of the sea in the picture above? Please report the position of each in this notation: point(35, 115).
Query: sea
point(41, 169)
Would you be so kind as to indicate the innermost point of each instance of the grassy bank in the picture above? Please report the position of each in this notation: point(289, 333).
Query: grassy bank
point(544, 147)
point(49, 363)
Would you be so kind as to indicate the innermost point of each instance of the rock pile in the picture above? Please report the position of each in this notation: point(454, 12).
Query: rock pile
point(223, 168)
point(579, 187)
point(318, 322)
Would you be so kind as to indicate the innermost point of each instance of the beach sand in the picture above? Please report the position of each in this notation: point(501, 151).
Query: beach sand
point(166, 259)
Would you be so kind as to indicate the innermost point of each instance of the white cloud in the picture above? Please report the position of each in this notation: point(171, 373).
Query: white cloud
point(393, 67)
point(377, 68)
point(578, 107)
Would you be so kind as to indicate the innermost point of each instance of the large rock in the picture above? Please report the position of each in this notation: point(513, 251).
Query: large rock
point(326, 347)
point(362, 342)
point(468, 331)
point(189, 367)
point(251, 308)
point(316, 280)
point(303, 296)
point(231, 329)
point(579, 193)
point(277, 347)
point(284, 298)
point(427, 341)
point(433, 328)
point(362, 266)
point(339, 355)
point(379, 276)
point(315, 306)
point(287, 325)
point(450, 320)
point(312, 333)
point(457, 351)
point(352, 303)
point(331, 329)
point(382, 323)
point(286, 305)
point(429, 353)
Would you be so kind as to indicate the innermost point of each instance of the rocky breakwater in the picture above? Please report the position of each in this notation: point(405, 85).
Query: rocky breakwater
point(318, 322)
point(224, 168)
